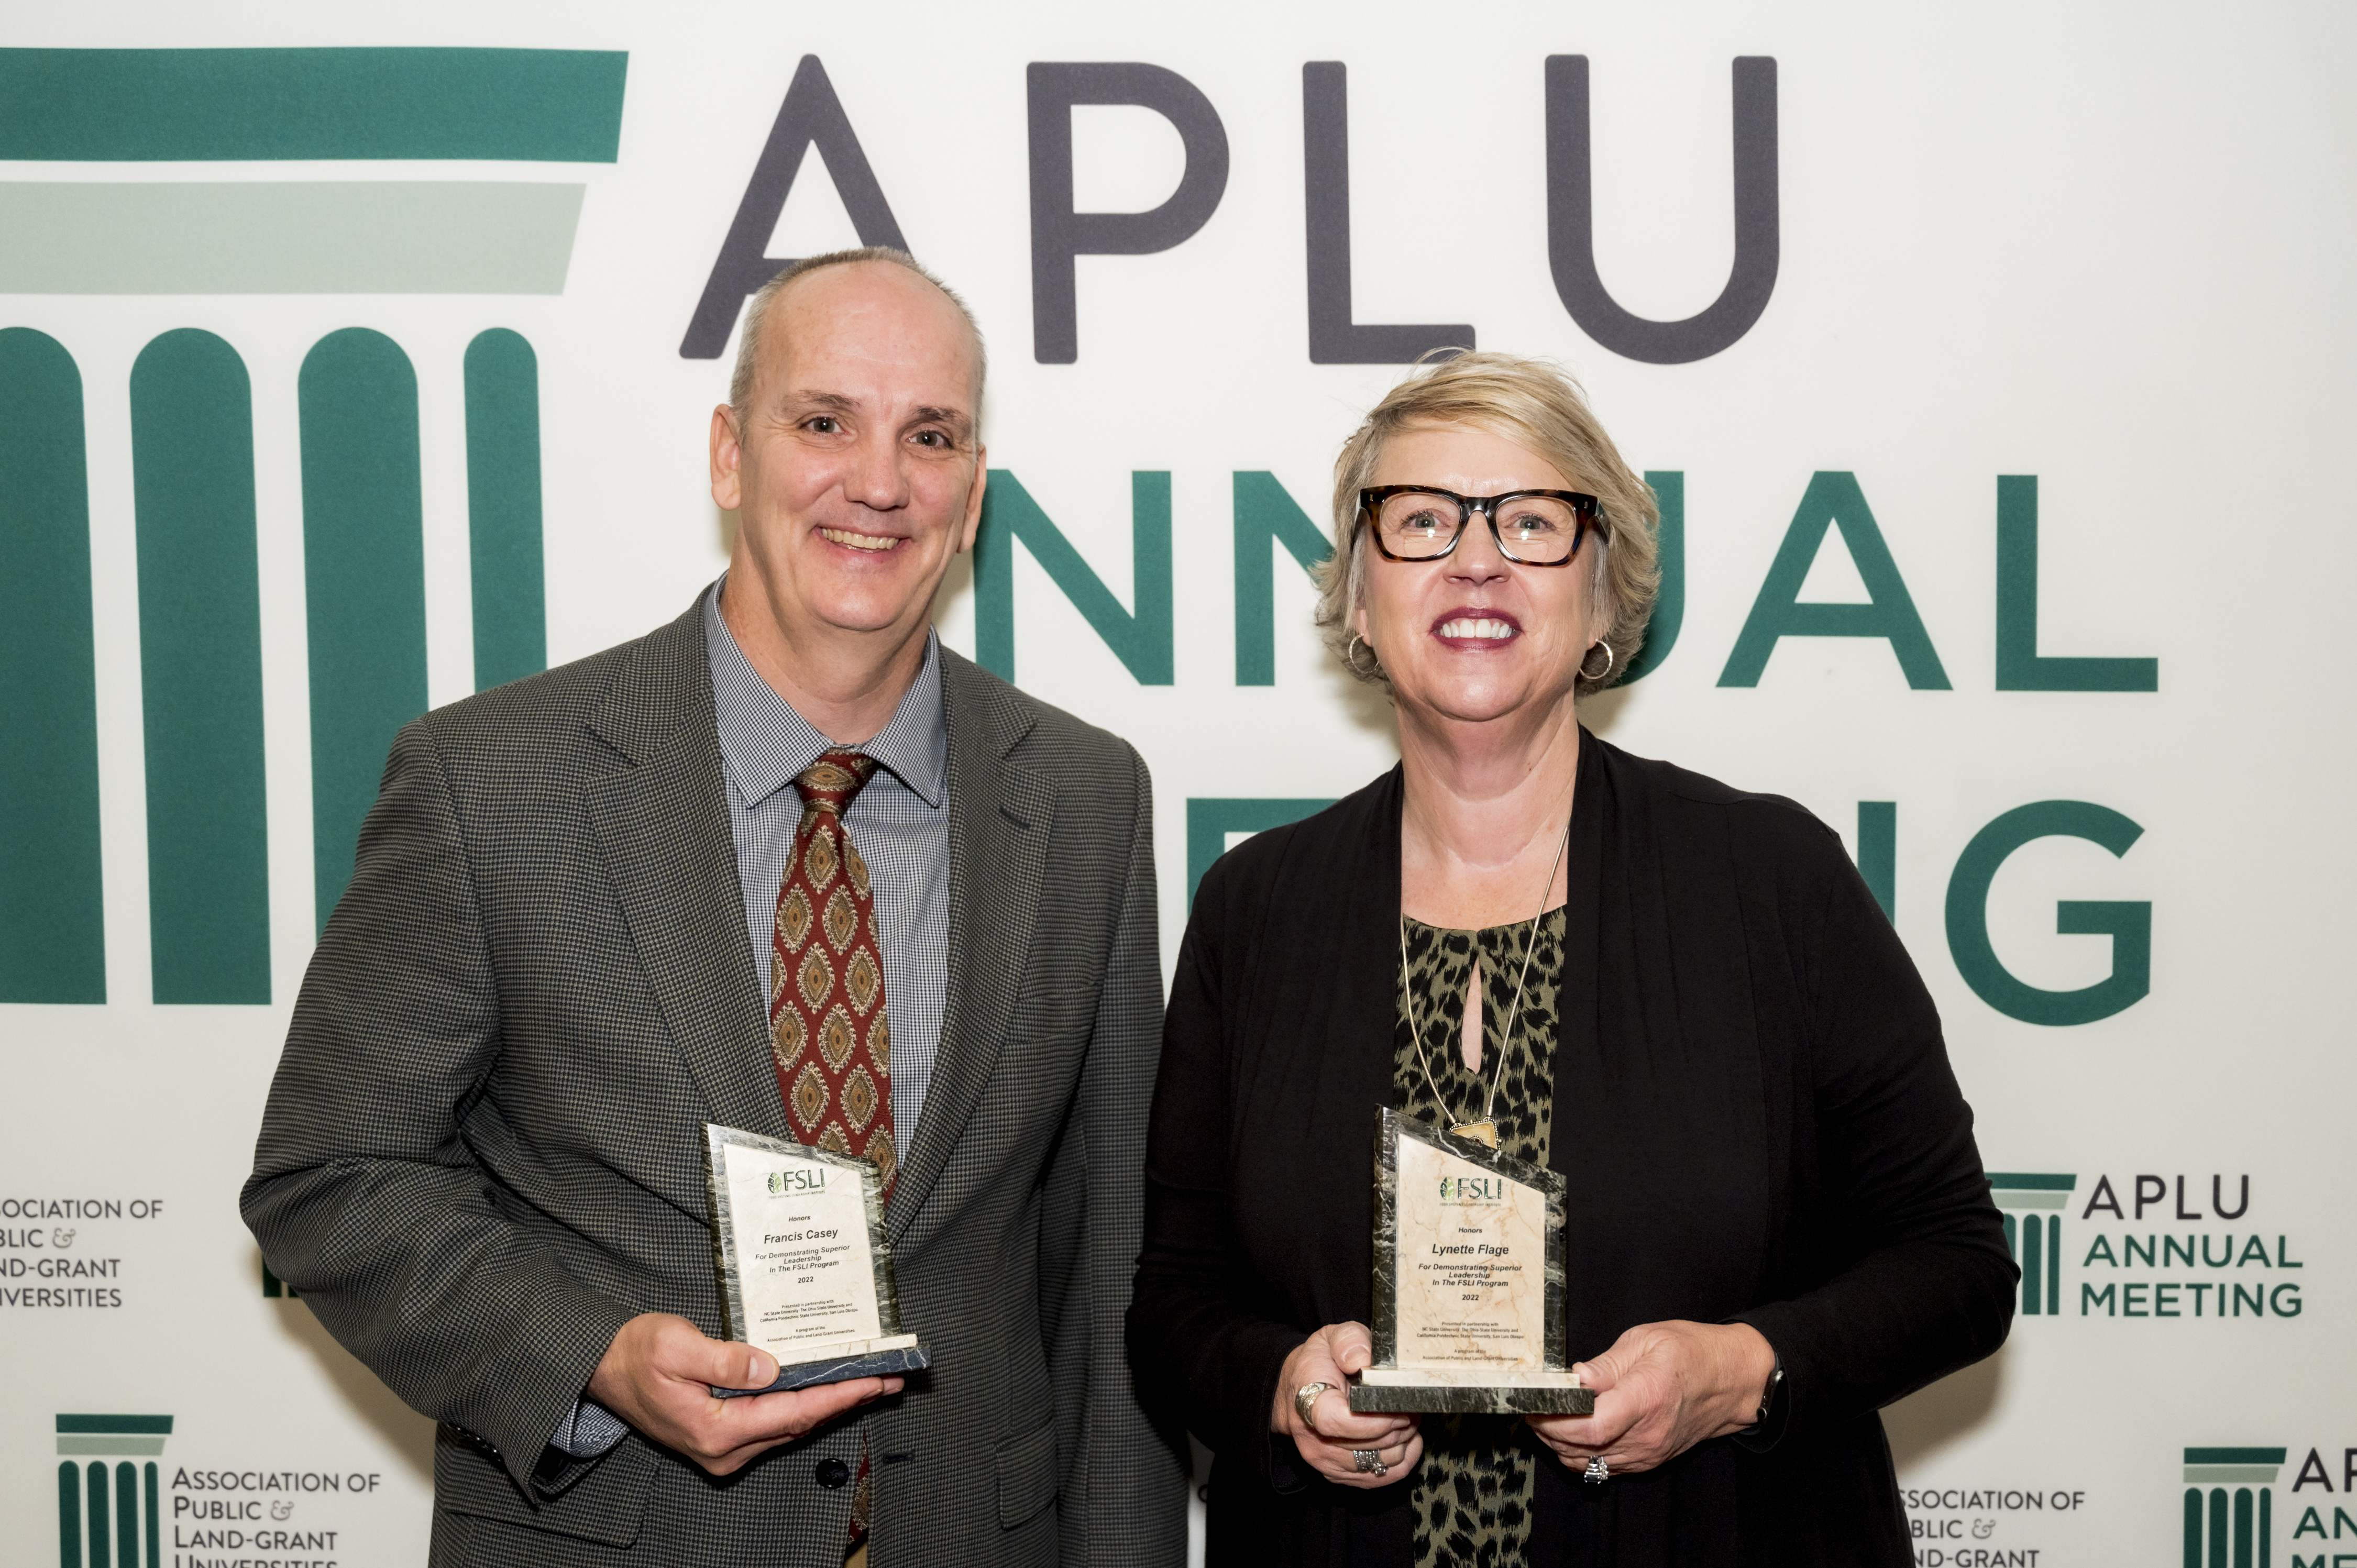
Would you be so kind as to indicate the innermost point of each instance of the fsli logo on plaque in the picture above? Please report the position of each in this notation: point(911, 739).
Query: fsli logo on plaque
point(785, 1184)
point(108, 1502)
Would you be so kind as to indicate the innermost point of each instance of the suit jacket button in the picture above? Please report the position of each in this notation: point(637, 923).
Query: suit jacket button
point(830, 1473)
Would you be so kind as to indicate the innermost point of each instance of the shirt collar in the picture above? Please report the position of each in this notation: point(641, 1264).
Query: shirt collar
point(765, 742)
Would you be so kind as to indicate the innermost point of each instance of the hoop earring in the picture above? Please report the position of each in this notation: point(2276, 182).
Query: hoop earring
point(1609, 659)
point(1351, 657)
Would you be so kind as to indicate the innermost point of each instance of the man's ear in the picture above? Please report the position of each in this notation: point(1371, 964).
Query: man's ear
point(727, 460)
point(974, 502)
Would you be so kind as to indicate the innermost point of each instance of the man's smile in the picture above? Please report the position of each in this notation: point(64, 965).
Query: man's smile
point(859, 540)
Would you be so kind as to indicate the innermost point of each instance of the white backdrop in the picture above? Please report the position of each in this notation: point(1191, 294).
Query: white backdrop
point(2108, 246)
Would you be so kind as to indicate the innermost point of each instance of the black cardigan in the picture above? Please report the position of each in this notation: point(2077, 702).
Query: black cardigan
point(1754, 1107)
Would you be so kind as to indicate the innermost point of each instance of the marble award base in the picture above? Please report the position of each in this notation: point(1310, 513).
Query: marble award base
point(1449, 1390)
point(879, 1359)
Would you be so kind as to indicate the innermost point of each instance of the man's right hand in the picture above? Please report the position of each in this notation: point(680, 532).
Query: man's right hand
point(658, 1374)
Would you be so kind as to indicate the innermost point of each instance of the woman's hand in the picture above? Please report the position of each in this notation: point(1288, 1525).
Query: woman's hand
point(1334, 1437)
point(1663, 1387)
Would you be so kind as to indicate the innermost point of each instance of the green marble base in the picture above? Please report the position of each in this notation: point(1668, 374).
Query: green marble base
point(1404, 1391)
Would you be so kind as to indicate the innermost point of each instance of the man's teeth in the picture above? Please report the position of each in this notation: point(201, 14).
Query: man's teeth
point(1497, 629)
point(858, 541)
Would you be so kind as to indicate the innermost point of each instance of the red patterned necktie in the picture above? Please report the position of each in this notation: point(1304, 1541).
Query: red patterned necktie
point(827, 1029)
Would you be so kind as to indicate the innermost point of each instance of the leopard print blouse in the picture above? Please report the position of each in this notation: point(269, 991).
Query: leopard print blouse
point(1473, 1489)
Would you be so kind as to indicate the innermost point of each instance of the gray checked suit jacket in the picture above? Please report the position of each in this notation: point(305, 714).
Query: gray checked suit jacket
point(482, 1151)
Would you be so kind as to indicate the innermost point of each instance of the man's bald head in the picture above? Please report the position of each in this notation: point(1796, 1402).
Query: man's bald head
point(758, 312)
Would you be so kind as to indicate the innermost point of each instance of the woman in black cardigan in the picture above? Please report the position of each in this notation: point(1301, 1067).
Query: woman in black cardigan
point(1679, 995)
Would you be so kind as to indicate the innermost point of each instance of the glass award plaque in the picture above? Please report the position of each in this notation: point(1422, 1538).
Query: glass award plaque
point(1468, 1308)
point(805, 1273)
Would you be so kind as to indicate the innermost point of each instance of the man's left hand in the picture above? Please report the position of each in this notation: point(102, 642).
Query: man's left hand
point(658, 1375)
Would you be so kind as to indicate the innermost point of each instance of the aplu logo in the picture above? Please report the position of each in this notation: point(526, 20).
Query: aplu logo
point(2126, 1272)
point(2236, 1270)
point(103, 1504)
point(811, 117)
point(2033, 1231)
point(2229, 1528)
point(2311, 1524)
point(191, 462)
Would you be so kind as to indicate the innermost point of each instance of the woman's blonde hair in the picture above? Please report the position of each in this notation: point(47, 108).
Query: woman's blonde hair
point(1535, 405)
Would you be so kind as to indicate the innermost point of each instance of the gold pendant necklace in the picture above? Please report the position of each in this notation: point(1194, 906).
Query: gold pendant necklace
point(1483, 1129)
point(1484, 1132)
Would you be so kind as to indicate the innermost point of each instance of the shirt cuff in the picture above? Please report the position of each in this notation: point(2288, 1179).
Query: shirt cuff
point(588, 1430)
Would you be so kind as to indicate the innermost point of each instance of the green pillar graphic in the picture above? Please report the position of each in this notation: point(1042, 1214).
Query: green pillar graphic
point(1140, 638)
point(119, 105)
point(1669, 487)
point(2240, 1529)
point(200, 670)
point(2033, 1265)
point(504, 515)
point(95, 1476)
point(69, 1514)
point(1265, 513)
point(81, 1480)
point(364, 581)
point(126, 1513)
point(52, 930)
point(2029, 1202)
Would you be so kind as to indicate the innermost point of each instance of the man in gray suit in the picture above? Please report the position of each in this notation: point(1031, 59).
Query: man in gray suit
point(482, 1161)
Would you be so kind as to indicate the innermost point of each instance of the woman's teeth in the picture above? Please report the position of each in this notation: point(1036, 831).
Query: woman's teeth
point(858, 541)
point(1498, 630)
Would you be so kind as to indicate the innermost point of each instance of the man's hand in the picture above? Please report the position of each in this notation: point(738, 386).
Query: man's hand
point(658, 1374)
point(1663, 1387)
point(1331, 1441)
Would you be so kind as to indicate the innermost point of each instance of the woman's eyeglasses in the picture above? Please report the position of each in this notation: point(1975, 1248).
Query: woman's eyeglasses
point(1532, 528)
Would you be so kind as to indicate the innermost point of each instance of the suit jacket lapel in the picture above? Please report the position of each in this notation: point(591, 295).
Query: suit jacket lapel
point(1000, 814)
point(661, 823)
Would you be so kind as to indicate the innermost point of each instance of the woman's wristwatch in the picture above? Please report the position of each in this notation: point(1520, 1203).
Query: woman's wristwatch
point(1768, 1394)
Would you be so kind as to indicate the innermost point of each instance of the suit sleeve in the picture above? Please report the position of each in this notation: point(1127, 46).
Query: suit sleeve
point(1921, 1282)
point(1124, 1484)
point(364, 1194)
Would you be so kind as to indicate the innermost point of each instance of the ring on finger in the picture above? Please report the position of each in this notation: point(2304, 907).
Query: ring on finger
point(1305, 1402)
point(1370, 1463)
point(1598, 1471)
